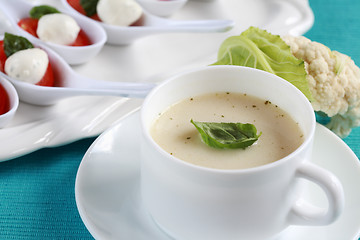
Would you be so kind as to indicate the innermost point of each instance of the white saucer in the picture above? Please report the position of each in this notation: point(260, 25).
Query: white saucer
point(108, 199)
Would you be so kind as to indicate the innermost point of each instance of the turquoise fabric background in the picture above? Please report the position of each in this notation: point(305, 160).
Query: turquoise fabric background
point(37, 198)
point(337, 25)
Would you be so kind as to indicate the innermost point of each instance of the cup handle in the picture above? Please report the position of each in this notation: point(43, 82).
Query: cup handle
point(304, 213)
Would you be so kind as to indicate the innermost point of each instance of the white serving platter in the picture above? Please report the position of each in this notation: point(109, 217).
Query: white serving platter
point(150, 59)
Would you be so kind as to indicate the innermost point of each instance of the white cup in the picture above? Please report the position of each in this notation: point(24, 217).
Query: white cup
point(194, 202)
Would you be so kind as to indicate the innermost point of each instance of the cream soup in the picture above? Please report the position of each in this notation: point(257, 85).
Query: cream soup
point(173, 131)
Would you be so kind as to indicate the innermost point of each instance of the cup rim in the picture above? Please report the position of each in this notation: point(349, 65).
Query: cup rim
point(308, 140)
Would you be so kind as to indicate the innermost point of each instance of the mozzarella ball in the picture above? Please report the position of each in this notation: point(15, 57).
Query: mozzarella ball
point(27, 65)
point(119, 12)
point(58, 28)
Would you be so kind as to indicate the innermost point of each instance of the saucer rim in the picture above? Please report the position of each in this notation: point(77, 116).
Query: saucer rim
point(320, 129)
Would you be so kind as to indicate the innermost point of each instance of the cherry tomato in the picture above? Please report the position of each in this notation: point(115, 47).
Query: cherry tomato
point(30, 25)
point(3, 56)
point(82, 39)
point(77, 6)
point(48, 80)
point(4, 101)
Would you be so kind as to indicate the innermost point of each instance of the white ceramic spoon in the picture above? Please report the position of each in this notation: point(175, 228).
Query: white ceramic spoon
point(69, 84)
point(119, 35)
point(13, 100)
point(162, 8)
point(19, 9)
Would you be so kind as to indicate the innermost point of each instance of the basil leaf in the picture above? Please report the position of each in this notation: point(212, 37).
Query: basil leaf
point(227, 135)
point(13, 43)
point(259, 49)
point(89, 6)
point(39, 11)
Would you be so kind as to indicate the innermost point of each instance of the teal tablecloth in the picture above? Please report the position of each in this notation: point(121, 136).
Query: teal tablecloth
point(37, 198)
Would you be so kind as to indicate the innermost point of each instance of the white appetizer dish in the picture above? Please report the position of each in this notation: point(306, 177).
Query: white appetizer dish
point(13, 102)
point(68, 83)
point(150, 59)
point(108, 195)
point(16, 10)
point(162, 8)
point(119, 35)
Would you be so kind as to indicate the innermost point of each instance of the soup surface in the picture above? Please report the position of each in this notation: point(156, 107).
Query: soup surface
point(173, 131)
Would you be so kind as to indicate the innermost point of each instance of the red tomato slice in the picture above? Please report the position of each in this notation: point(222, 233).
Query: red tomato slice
point(82, 39)
point(3, 56)
point(48, 80)
point(77, 6)
point(30, 25)
point(4, 101)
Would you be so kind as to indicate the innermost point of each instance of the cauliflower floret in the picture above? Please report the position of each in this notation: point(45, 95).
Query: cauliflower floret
point(334, 82)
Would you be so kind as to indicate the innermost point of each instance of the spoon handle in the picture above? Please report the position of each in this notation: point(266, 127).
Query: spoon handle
point(43, 96)
point(87, 86)
point(122, 89)
point(202, 25)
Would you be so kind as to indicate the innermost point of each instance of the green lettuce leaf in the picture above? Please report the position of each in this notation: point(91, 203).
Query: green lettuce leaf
point(259, 49)
point(14, 43)
point(39, 11)
point(227, 135)
point(89, 6)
